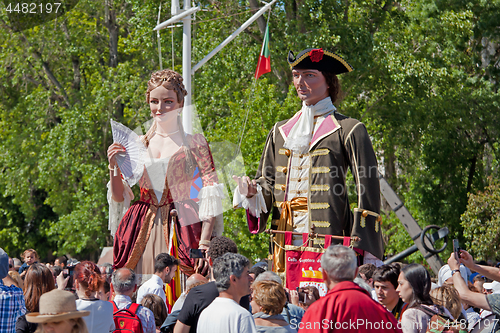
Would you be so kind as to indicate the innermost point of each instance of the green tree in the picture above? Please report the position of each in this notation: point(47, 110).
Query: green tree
point(425, 84)
point(481, 222)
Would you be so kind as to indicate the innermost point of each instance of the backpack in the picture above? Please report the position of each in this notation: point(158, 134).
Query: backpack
point(441, 323)
point(126, 319)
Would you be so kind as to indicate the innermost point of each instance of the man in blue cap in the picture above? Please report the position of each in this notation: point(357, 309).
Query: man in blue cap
point(11, 299)
point(301, 179)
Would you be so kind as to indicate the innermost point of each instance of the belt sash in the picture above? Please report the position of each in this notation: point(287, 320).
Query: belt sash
point(285, 223)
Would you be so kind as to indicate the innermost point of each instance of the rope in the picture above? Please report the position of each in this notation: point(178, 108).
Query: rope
point(173, 53)
point(238, 148)
point(226, 16)
point(159, 39)
point(303, 244)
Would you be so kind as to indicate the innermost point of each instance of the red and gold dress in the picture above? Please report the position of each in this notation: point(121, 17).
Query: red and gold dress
point(146, 228)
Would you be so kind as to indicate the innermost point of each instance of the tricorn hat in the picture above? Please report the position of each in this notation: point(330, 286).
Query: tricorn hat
point(319, 59)
point(56, 305)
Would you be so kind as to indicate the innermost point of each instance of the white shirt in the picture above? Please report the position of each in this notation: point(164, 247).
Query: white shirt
point(100, 319)
point(225, 315)
point(152, 286)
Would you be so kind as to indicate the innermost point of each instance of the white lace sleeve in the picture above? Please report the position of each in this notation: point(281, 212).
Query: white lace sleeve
point(118, 209)
point(255, 205)
point(211, 206)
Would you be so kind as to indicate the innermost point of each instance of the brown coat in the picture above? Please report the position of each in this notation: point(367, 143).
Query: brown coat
point(339, 143)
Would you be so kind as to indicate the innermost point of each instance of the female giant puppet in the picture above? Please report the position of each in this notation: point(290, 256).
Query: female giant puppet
point(172, 157)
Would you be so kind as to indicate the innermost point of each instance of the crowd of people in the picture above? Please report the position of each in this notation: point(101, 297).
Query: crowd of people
point(239, 297)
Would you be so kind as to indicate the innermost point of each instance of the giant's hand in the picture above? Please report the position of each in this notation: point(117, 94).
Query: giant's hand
point(114, 149)
point(246, 186)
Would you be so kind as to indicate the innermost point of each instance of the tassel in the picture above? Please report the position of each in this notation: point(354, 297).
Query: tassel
point(363, 219)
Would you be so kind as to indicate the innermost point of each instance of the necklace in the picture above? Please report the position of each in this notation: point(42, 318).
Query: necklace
point(166, 135)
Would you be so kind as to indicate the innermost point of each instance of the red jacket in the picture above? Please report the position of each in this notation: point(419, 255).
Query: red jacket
point(347, 308)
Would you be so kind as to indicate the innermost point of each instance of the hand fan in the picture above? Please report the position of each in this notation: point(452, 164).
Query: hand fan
point(131, 162)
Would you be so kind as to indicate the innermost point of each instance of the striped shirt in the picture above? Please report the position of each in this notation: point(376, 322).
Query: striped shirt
point(11, 307)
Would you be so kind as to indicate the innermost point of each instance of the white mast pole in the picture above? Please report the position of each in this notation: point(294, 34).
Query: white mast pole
point(187, 73)
point(187, 117)
point(233, 35)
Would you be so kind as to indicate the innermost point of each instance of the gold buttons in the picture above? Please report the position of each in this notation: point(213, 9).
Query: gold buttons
point(283, 187)
point(299, 180)
point(285, 170)
point(299, 168)
point(301, 155)
point(287, 152)
point(298, 192)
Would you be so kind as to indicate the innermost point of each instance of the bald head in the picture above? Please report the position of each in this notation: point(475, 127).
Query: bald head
point(269, 276)
point(123, 281)
point(195, 279)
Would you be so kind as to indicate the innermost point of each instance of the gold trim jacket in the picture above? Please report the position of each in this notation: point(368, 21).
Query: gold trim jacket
point(338, 144)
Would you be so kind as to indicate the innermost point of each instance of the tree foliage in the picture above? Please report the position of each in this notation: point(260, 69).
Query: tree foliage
point(425, 84)
point(481, 222)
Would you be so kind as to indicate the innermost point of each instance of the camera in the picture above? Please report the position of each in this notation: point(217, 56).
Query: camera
point(196, 253)
point(456, 249)
point(302, 295)
point(68, 271)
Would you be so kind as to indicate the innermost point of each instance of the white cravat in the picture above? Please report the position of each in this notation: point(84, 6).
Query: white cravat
point(299, 137)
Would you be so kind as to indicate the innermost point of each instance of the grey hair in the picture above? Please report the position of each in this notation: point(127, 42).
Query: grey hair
point(339, 263)
point(269, 276)
point(123, 284)
point(108, 268)
point(227, 265)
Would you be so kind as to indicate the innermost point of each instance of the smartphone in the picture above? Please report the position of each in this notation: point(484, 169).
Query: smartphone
point(302, 295)
point(196, 253)
point(456, 249)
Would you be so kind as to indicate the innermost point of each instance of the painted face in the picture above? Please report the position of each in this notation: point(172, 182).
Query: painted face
point(310, 85)
point(59, 327)
point(170, 274)
point(386, 293)
point(29, 258)
point(163, 102)
point(404, 288)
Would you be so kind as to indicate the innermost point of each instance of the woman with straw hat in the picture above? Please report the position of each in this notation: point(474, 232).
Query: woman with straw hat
point(58, 314)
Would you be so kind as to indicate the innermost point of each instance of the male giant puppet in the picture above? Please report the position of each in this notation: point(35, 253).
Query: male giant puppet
point(301, 180)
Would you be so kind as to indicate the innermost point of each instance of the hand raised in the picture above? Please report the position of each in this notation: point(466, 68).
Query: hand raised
point(114, 149)
point(466, 259)
point(246, 186)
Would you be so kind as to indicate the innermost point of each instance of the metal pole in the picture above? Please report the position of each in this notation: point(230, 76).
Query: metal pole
point(158, 36)
point(187, 117)
point(233, 35)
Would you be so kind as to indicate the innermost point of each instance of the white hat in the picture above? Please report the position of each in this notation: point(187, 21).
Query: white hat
point(494, 286)
point(445, 273)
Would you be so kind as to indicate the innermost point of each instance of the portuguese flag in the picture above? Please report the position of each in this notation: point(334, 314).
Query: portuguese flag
point(264, 64)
